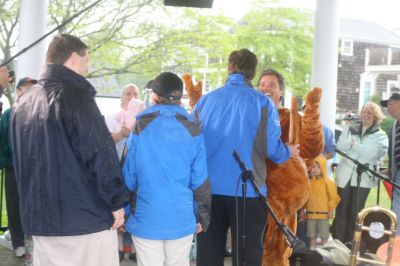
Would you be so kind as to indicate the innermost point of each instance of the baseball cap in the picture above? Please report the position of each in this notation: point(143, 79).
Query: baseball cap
point(168, 85)
point(395, 96)
point(26, 80)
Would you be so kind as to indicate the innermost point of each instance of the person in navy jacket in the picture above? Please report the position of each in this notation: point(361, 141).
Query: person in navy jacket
point(68, 174)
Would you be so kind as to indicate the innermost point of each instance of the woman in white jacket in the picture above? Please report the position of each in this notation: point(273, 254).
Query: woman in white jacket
point(365, 142)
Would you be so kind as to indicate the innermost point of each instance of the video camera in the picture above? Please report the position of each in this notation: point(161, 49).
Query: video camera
point(351, 117)
point(11, 76)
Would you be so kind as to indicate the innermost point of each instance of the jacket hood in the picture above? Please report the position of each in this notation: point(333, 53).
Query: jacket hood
point(322, 164)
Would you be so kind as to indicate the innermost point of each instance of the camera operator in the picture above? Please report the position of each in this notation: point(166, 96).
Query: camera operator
point(363, 140)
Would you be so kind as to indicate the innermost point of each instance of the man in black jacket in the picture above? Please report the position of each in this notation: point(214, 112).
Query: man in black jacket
point(393, 107)
point(68, 174)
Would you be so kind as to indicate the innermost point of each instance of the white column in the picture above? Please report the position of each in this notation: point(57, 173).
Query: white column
point(32, 26)
point(325, 57)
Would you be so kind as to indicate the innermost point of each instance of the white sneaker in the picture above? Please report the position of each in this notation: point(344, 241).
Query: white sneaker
point(20, 251)
point(7, 235)
point(5, 242)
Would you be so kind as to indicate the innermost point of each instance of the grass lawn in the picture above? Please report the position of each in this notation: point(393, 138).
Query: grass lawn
point(3, 208)
point(384, 200)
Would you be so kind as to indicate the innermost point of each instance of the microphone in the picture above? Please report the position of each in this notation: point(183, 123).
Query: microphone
point(237, 158)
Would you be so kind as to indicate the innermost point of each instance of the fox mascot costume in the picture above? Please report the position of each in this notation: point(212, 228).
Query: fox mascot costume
point(288, 183)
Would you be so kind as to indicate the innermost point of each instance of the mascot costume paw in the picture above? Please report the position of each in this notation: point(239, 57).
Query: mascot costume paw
point(194, 92)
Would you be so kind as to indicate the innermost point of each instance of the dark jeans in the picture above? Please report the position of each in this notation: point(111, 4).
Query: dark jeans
point(302, 230)
point(344, 223)
point(12, 200)
point(127, 239)
point(211, 245)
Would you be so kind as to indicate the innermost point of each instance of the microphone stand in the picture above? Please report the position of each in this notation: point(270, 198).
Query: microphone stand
point(291, 239)
point(367, 169)
point(362, 168)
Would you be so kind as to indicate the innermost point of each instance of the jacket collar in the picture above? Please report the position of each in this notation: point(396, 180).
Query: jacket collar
point(356, 129)
point(238, 79)
point(164, 109)
point(64, 74)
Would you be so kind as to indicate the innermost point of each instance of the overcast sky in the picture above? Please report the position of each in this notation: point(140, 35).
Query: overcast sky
point(383, 12)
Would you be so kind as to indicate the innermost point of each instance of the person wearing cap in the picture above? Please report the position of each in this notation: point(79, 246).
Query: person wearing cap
point(12, 198)
point(393, 107)
point(23, 85)
point(165, 167)
point(237, 117)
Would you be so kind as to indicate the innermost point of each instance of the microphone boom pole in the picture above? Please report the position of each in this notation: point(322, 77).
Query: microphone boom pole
point(365, 168)
point(50, 32)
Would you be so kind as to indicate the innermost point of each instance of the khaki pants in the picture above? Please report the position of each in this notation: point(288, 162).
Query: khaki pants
point(97, 249)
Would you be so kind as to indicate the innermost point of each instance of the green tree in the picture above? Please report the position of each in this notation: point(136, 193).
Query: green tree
point(375, 98)
point(387, 124)
point(113, 31)
point(8, 35)
point(135, 40)
point(199, 44)
point(282, 39)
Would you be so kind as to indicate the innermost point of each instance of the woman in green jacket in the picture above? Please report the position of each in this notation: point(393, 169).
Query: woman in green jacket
point(367, 143)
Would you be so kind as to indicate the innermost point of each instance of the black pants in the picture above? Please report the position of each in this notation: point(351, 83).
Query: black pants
point(12, 200)
point(211, 245)
point(344, 223)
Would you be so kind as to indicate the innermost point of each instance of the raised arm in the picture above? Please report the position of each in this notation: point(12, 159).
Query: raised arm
point(311, 138)
point(194, 92)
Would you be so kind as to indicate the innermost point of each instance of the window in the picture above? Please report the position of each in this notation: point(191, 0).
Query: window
point(367, 92)
point(347, 47)
point(392, 86)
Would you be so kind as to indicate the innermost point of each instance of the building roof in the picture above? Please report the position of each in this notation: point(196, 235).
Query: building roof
point(367, 31)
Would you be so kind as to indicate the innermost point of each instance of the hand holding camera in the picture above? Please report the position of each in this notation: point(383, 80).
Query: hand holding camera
point(350, 117)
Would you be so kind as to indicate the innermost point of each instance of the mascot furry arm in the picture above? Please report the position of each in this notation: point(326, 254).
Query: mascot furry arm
point(287, 183)
point(194, 92)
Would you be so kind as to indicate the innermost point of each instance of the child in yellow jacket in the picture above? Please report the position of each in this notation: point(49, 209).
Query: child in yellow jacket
point(321, 203)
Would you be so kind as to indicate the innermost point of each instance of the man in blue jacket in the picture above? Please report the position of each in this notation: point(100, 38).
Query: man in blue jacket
point(238, 117)
point(68, 175)
point(166, 168)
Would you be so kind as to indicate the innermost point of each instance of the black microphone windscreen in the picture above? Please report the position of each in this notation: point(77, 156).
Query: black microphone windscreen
point(189, 3)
